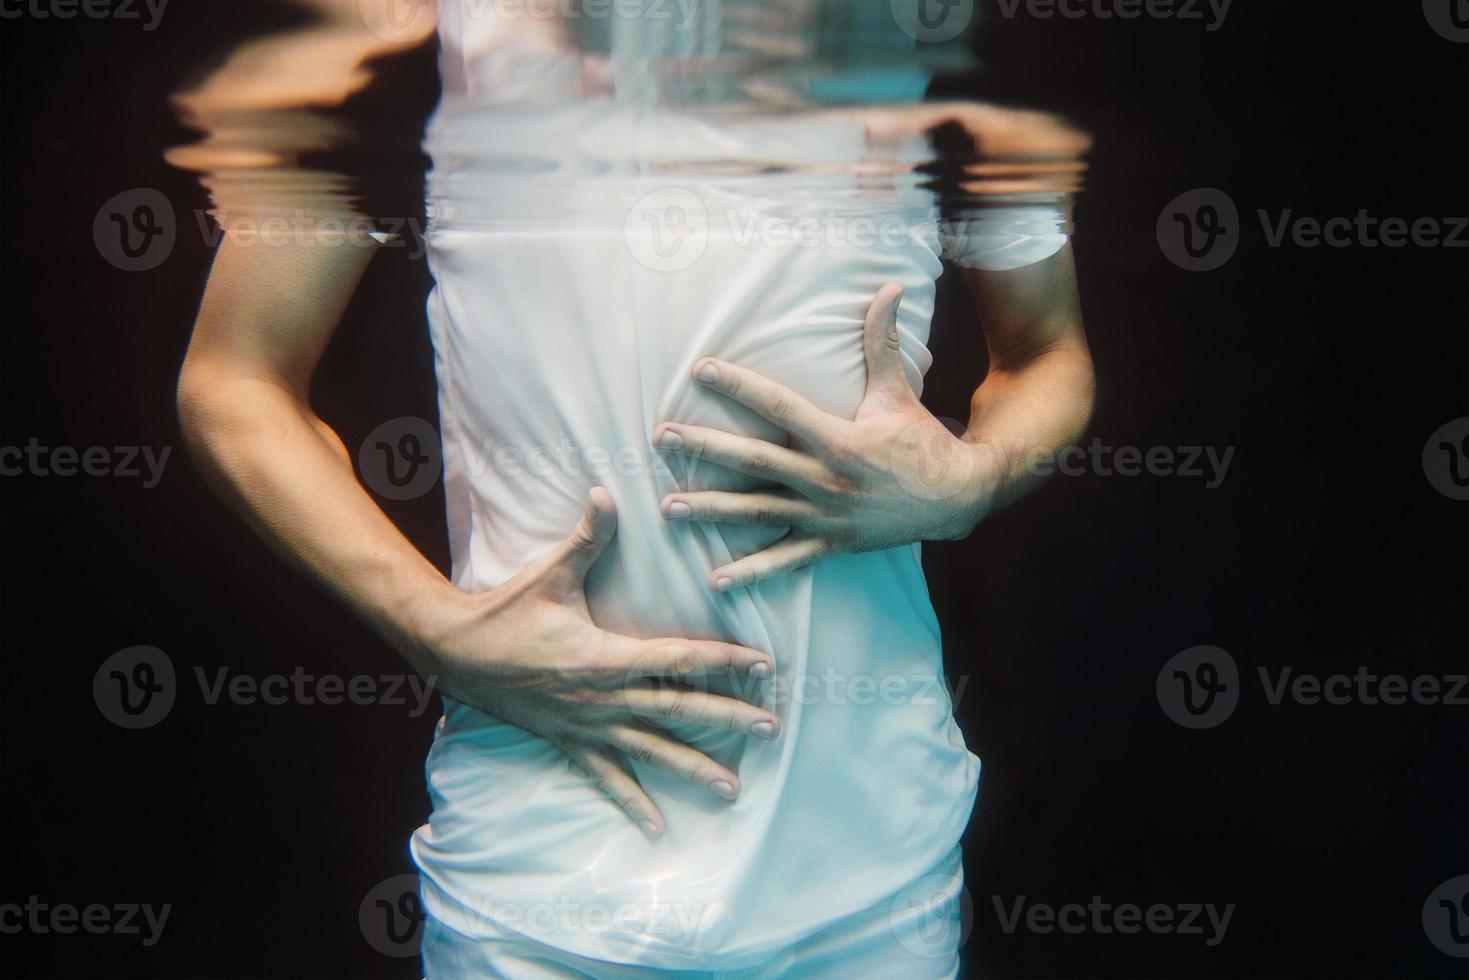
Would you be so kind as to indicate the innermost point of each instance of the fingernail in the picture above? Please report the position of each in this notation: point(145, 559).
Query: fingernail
point(670, 440)
point(650, 828)
point(708, 373)
point(760, 670)
point(723, 788)
point(765, 729)
point(678, 510)
point(724, 583)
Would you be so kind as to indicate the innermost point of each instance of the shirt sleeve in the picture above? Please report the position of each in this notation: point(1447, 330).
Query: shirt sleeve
point(1004, 237)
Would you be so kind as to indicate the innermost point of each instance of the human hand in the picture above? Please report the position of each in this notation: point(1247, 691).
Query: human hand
point(528, 653)
point(893, 475)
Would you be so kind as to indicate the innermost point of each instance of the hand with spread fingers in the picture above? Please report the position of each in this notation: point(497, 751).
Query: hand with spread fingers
point(892, 475)
point(527, 652)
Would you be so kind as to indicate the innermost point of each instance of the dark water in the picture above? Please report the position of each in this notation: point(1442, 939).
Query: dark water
point(1326, 547)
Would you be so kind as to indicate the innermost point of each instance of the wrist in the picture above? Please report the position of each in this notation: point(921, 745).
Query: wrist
point(428, 623)
point(975, 491)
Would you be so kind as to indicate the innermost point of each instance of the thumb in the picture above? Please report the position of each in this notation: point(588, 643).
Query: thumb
point(593, 533)
point(885, 374)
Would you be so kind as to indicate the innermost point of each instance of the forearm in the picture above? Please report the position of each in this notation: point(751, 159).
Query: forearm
point(263, 452)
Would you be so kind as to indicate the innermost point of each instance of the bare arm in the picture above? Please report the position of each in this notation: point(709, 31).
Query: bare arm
point(894, 474)
point(527, 651)
point(267, 314)
point(1037, 396)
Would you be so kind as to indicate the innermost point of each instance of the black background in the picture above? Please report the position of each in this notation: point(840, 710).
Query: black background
point(1325, 548)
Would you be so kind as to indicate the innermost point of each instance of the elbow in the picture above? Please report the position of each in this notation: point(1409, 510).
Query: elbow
point(191, 401)
point(1068, 362)
point(199, 400)
point(1086, 384)
point(217, 404)
point(1079, 387)
point(226, 411)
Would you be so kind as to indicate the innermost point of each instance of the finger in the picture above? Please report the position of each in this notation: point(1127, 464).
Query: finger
point(685, 706)
point(593, 533)
point(659, 749)
point(754, 457)
point(692, 659)
point(773, 401)
point(882, 346)
point(607, 771)
point(788, 554)
point(754, 507)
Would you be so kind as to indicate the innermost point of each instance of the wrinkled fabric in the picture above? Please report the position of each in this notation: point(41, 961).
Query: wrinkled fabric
point(580, 272)
point(915, 937)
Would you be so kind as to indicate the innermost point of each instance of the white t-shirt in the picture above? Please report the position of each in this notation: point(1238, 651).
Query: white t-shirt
point(587, 251)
